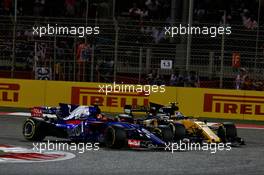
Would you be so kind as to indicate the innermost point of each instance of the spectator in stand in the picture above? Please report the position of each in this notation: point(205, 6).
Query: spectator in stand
point(38, 8)
point(151, 77)
point(60, 50)
point(248, 84)
point(135, 12)
point(240, 78)
point(84, 53)
point(41, 52)
point(153, 7)
point(105, 70)
point(258, 85)
point(176, 79)
point(227, 20)
point(70, 7)
point(200, 10)
point(6, 7)
point(248, 20)
point(20, 10)
point(159, 80)
point(192, 80)
point(144, 13)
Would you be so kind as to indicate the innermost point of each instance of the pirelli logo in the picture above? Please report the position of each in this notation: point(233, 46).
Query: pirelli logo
point(9, 92)
point(90, 96)
point(234, 104)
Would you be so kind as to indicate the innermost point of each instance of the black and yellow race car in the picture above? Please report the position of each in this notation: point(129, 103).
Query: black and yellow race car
point(182, 127)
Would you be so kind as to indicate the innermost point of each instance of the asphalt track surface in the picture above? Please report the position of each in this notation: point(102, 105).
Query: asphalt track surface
point(248, 159)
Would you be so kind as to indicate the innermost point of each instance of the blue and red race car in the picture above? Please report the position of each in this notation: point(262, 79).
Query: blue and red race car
point(88, 124)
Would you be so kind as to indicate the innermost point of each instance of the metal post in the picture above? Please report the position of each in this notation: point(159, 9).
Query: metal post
point(114, 6)
point(14, 41)
point(116, 48)
point(35, 59)
point(86, 16)
point(83, 71)
point(140, 64)
point(84, 63)
point(92, 57)
point(173, 15)
point(257, 40)
point(64, 71)
point(189, 38)
point(92, 65)
point(173, 11)
point(54, 58)
point(74, 59)
point(211, 63)
point(148, 60)
point(222, 53)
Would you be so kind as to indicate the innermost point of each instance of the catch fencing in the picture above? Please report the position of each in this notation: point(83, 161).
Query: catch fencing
point(127, 51)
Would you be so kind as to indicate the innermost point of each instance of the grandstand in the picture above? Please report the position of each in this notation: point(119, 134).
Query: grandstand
point(128, 49)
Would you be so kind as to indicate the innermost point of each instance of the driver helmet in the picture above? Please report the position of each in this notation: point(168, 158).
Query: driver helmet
point(94, 111)
point(179, 115)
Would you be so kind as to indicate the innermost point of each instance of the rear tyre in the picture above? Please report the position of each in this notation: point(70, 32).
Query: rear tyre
point(221, 133)
point(166, 134)
point(115, 137)
point(180, 132)
point(33, 130)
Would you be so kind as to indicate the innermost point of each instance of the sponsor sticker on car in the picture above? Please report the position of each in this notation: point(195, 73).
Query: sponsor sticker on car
point(133, 143)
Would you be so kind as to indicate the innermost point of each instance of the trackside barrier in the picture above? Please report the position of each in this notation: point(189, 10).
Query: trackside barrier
point(197, 102)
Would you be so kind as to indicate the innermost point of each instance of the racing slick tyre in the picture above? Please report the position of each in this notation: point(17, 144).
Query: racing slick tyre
point(221, 133)
point(33, 130)
point(230, 129)
point(227, 132)
point(180, 132)
point(115, 137)
point(166, 133)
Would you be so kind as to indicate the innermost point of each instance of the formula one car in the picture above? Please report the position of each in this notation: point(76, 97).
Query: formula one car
point(184, 127)
point(161, 129)
point(86, 123)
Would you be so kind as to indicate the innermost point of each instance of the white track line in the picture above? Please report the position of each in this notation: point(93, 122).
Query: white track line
point(20, 114)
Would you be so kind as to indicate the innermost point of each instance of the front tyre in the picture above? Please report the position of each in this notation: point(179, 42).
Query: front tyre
point(221, 134)
point(33, 130)
point(228, 133)
point(231, 131)
point(115, 137)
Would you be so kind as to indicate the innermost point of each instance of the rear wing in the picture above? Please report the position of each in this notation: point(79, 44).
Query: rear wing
point(152, 108)
point(129, 109)
point(63, 110)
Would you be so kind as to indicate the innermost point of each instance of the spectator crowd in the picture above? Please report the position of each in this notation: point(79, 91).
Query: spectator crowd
point(185, 79)
point(57, 8)
point(144, 13)
point(243, 81)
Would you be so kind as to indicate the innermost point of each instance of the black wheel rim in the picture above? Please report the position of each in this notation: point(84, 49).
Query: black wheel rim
point(109, 137)
point(28, 129)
